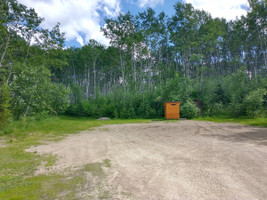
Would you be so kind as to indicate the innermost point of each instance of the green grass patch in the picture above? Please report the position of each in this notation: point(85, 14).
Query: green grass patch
point(50, 160)
point(125, 121)
point(59, 126)
point(107, 163)
point(94, 168)
point(17, 167)
point(50, 186)
point(261, 122)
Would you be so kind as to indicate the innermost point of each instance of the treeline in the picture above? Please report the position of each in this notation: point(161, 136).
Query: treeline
point(221, 65)
point(209, 64)
point(234, 95)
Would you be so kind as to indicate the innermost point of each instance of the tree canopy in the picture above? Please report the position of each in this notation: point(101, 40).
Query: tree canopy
point(211, 65)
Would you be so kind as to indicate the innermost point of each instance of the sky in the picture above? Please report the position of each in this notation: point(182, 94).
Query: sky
point(81, 20)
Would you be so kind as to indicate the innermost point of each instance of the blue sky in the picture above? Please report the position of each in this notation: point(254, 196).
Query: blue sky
point(81, 19)
point(166, 6)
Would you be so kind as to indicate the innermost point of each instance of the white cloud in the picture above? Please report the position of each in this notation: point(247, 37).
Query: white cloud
point(147, 3)
point(228, 9)
point(79, 19)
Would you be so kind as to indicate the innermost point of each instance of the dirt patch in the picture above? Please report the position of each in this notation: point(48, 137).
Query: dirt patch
point(3, 143)
point(179, 160)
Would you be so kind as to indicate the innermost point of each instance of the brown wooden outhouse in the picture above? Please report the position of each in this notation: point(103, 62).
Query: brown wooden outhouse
point(172, 110)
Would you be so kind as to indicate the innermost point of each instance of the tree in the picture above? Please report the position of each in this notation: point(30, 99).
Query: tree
point(35, 93)
point(5, 98)
point(24, 67)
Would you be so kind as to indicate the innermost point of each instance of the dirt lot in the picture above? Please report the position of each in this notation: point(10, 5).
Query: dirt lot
point(174, 160)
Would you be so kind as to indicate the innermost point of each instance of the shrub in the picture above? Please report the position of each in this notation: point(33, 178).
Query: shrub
point(235, 109)
point(214, 109)
point(253, 102)
point(189, 110)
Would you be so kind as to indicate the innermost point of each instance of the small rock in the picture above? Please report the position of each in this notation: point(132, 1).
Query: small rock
point(183, 119)
point(103, 118)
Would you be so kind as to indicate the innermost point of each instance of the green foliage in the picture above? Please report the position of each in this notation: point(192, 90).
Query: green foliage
point(214, 97)
point(235, 86)
point(120, 105)
point(178, 89)
point(211, 96)
point(253, 103)
point(27, 68)
point(189, 110)
point(214, 109)
point(5, 98)
point(59, 98)
point(124, 113)
point(241, 92)
point(116, 114)
point(188, 57)
point(216, 65)
point(35, 93)
point(76, 93)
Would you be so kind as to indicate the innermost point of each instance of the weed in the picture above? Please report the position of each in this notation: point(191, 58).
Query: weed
point(107, 163)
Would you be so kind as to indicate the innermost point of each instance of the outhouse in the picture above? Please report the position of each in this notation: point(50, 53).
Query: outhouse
point(172, 110)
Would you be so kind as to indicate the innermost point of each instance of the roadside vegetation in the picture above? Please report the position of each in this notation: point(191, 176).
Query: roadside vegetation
point(17, 167)
point(261, 122)
point(57, 125)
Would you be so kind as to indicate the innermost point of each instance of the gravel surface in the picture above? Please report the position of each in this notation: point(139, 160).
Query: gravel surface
point(171, 160)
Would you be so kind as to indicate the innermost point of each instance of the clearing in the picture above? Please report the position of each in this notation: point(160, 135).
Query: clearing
point(167, 160)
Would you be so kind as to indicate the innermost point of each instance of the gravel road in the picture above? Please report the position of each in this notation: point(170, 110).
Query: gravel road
point(172, 160)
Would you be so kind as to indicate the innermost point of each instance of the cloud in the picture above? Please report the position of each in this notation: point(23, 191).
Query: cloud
point(228, 9)
point(146, 3)
point(79, 19)
point(149, 3)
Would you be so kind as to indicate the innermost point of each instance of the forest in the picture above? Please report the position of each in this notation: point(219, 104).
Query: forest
point(212, 66)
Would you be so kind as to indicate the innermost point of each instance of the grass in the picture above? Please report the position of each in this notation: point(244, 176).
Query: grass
point(42, 187)
point(50, 160)
point(62, 125)
point(17, 167)
point(261, 122)
point(107, 163)
point(95, 168)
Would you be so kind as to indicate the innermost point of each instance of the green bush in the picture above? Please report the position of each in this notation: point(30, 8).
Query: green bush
point(189, 110)
point(124, 113)
point(235, 109)
point(214, 109)
point(253, 102)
